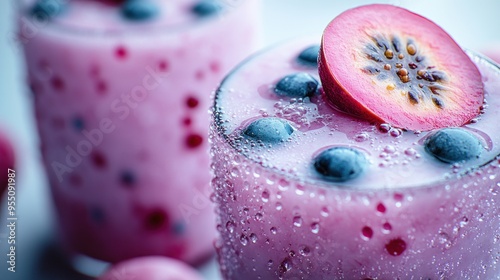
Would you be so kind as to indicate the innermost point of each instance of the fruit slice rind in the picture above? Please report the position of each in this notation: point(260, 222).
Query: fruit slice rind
point(344, 55)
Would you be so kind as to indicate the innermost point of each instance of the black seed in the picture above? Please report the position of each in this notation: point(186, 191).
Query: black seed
point(413, 97)
point(206, 8)
point(434, 88)
point(374, 57)
point(452, 145)
point(438, 75)
point(309, 56)
point(428, 77)
point(412, 65)
point(297, 85)
point(46, 9)
point(396, 44)
point(381, 43)
point(419, 58)
point(139, 10)
point(372, 48)
point(438, 102)
point(371, 70)
point(340, 164)
point(269, 130)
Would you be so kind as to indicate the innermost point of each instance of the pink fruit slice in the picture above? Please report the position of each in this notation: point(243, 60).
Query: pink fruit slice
point(387, 64)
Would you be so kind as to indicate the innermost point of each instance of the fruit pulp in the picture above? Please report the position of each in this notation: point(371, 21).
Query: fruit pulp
point(121, 112)
point(408, 216)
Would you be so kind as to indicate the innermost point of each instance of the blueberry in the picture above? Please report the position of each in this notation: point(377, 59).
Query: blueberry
point(45, 9)
point(452, 145)
point(340, 164)
point(78, 123)
point(297, 85)
point(309, 56)
point(269, 130)
point(205, 8)
point(127, 178)
point(139, 10)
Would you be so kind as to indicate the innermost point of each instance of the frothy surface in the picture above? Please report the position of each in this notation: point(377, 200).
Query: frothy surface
point(102, 16)
point(396, 158)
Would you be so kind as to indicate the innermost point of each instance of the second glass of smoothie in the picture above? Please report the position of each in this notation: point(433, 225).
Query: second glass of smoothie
point(121, 91)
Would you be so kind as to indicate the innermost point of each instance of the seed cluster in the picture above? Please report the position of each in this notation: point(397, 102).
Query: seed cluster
point(412, 72)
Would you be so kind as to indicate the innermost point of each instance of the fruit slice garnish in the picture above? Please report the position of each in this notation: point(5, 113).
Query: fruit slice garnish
point(387, 64)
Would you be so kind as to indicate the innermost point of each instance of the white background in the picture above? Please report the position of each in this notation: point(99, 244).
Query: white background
point(474, 25)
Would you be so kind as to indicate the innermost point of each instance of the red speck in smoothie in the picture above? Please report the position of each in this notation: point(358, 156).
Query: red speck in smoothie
point(187, 121)
point(395, 247)
point(57, 83)
point(200, 75)
point(381, 208)
point(398, 197)
point(194, 140)
point(101, 87)
point(367, 232)
point(163, 66)
point(192, 102)
point(121, 52)
point(98, 159)
point(215, 67)
point(156, 219)
point(75, 180)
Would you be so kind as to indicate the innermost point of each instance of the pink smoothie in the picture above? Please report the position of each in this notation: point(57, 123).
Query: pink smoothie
point(121, 106)
point(407, 216)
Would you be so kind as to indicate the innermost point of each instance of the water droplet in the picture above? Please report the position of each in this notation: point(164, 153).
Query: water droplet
point(395, 132)
point(361, 137)
point(273, 230)
point(304, 250)
point(230, 226)
point(253, 237)
point(285, 266)
point(367, 233)
point(325, 212)
point(279, 206)
point(244, 240)
point(283, 185)
point(259, 216)
point(297, 221)
point(265, 196)
point(315, 228)
point(386, 227)
point(389, 149)
point(270, 262)
point(299, 190)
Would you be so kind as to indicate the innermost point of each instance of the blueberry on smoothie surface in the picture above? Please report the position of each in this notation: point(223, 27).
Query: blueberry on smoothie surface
point(139, 10)
point(453, 145)
point(269, 130)
point(46, 9)
point(309, 56)
point(340, 164)
point(298, 85)
point(205, 8)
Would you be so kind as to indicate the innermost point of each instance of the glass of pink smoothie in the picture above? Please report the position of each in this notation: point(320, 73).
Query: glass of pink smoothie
point(121, 91)
point(406, 216)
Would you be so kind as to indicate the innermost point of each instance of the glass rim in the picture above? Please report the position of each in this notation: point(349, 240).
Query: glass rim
point(218, 130)
point(23, 12)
